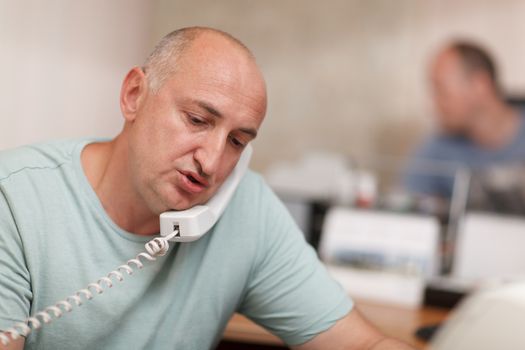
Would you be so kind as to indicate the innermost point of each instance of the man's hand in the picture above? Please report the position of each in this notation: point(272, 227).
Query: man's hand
point(352, 332)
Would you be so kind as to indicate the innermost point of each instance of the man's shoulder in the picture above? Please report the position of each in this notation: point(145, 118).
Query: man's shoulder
point(441, 146)
point(252, 183)
point(253, 177)
point(521, 113)
point(254, 189)
point(254, 200)
point(46, 155)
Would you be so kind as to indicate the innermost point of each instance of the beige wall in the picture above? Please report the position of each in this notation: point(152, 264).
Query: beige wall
point(62, 64)
point(349, 76)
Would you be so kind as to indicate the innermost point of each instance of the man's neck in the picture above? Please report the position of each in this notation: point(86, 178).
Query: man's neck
point(106, 167)
point(494, 126)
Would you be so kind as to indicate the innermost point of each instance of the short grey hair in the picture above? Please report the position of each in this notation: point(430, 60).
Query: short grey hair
point(162, 61)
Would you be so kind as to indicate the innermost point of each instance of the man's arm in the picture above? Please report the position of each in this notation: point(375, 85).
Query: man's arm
point(15, 286)
point(14, 344)
point(352, 332)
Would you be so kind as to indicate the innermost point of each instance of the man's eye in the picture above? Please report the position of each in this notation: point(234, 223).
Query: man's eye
point(236, 142)
point(196, 120)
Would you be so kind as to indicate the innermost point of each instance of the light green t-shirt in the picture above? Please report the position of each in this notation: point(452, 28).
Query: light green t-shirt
point(55, 238)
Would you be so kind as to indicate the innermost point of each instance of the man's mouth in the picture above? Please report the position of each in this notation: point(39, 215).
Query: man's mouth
point(193, 183)
point(194, 180)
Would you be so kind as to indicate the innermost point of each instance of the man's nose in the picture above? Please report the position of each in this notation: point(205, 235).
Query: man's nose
point(210, 153)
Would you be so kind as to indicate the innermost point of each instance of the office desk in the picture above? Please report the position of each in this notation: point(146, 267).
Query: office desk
point(397, 322)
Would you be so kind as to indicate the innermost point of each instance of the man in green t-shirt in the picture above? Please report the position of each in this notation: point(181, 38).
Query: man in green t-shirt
point(71, 210)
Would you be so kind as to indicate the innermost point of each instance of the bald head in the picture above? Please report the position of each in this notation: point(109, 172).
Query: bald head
point(194, 107)
point(165, 58)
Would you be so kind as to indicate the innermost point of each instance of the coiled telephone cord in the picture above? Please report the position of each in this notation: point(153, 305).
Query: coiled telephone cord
point(156, 247)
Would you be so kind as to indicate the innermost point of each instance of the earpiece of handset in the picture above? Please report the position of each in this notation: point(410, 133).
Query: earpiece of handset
point(194, 222)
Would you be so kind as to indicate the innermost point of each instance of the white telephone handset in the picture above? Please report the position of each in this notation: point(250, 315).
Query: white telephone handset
point(179, 226)
point(194, 222)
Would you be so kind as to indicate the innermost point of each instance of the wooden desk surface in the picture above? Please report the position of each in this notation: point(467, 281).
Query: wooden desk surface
point(397, 322)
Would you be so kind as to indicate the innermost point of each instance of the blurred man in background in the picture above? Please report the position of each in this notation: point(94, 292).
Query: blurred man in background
point(478, 128)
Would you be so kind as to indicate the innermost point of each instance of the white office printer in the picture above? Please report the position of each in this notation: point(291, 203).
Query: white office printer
point(489, 319)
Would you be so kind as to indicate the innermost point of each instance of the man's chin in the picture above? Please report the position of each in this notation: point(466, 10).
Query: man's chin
point(183, 205)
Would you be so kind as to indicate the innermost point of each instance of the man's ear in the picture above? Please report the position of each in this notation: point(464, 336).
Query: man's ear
point(133, 92)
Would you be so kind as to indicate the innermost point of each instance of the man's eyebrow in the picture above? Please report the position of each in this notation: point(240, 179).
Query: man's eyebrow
point(213, 111)
point(251, 132)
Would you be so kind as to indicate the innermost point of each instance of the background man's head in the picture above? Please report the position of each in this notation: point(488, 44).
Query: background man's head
point(464, 80)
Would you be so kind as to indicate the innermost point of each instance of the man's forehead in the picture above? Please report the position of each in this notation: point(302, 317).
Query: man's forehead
point(212, 66)
point(211, 47)
point(218, 71)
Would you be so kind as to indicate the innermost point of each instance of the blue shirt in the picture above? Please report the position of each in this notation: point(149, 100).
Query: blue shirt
point(434, 166)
